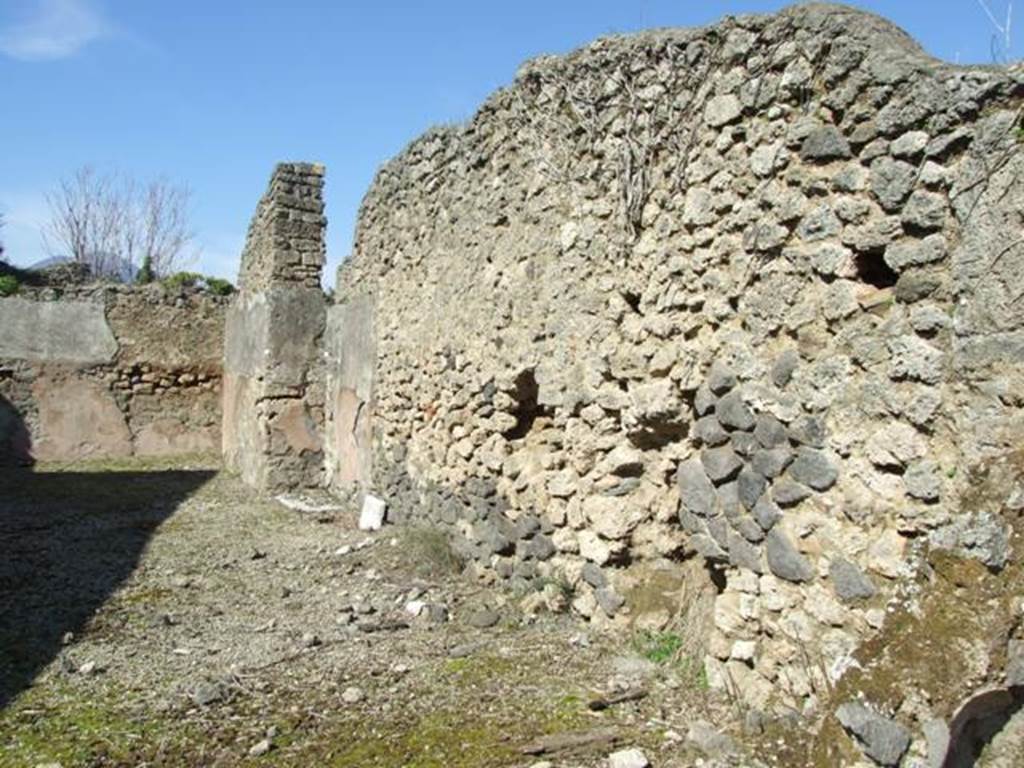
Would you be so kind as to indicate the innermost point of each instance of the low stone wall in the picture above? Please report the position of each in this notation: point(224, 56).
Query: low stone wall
point(104, 371)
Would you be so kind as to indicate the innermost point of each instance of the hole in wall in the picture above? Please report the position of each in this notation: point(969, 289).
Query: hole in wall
point(633, 299)
point(652, 437)
point(526, 409)
point(978, 724)
point(872, 269)
point(717, 576)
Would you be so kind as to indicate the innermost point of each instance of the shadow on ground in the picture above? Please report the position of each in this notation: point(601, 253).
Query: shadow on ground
point(67, 540)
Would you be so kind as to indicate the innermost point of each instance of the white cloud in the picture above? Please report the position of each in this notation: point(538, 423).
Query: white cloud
point(58, 29)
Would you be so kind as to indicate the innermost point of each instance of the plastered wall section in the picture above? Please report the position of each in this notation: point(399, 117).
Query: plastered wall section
point(117, 372)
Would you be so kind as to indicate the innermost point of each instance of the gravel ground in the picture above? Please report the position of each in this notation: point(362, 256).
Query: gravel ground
point(160, 614)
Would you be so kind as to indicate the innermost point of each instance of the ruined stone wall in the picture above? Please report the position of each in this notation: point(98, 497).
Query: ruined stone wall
point(746, 295)
point(102, 371)
point(273, 390)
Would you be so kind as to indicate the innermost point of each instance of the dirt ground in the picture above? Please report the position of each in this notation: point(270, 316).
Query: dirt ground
point(160, 614)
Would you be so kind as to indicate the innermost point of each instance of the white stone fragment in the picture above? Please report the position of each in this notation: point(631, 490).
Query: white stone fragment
point(628, 758)
point(372, 516)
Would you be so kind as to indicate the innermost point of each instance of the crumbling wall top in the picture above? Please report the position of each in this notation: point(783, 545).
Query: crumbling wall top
point(285, 244)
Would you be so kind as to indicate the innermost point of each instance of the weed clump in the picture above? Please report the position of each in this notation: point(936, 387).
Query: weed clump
point(429, 552)
point(8, 285)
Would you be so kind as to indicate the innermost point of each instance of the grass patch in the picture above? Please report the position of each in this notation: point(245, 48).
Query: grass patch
point(659, 647)
point(75, 728)
point(668, 649)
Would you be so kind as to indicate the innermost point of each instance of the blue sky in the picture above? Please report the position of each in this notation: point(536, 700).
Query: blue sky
point(211, 93)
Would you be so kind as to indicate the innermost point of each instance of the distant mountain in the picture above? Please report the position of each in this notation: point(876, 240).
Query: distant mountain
point(53, 261)
point(125, 273)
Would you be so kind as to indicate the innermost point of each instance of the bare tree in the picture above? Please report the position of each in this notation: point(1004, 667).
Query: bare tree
point(162, 226)
point(1002, 39)
point(112, 225)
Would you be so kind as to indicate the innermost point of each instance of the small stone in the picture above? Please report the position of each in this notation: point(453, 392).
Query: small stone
point(743, 554)
point(709, 431)
point(895, 446)
point(704, 401)
point(982, 536)
point(850, 582)
point(915, 253)
point(883, 740)
point(540, 547)
point(720, 464)
point(750, 487)
point(813, 468)
point(853, 178)
point(909, 145)
point(593, 575)
point(609, 600)
point(721, 378)
point(436, 613)
point(810, 430)
point(824, 144)
point(934, 175)
point(744, 443)
point(891, 181)
point(784, 560)
point(786, 492)
point(722, 110)
point(696, 491)
point(923, 480)
point(352, 695)
point(766, 158)
point(819, 224)
point(732, 413)
point(915, 359)
point(925, 210)
point(260, 748)
point(743, 650)
point(936, 736)
point(749, 529)
point(766, 513)
point(205, 693)
point(769, 431)
point(783, 367)
point(916, 285)
point(1015, 663)
point(483, 618)
point(628, 758)
point(708, 548)
point(310, 640)
point(710, 741)
point(771, 462)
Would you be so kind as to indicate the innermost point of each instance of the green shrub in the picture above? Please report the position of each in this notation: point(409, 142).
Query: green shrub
point(214, 285)
point(219, 287)
point(180, 280)
point(8, 285)
point(145, 273)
